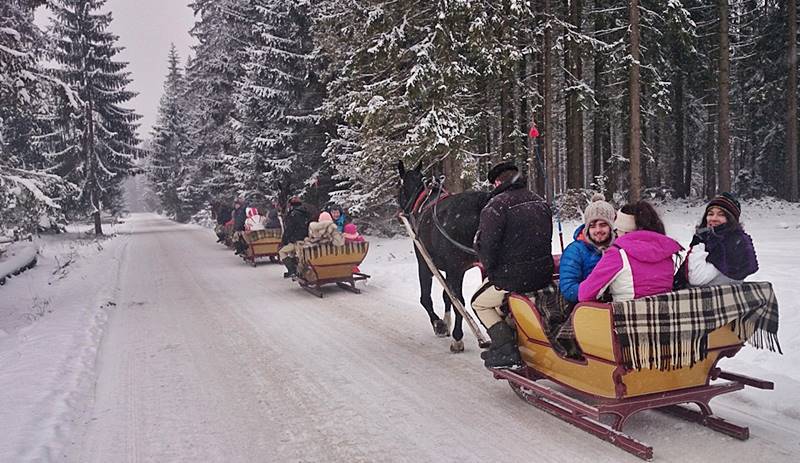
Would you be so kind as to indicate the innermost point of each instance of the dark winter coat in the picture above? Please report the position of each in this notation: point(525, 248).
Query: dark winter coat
point(296, 224)
point(577, 262)
point(239, 217)
point(730, 250)
point(223, 214)
point(514, 238)
point(273, 221)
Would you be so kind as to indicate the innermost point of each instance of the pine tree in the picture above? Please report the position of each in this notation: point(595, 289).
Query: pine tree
point(170, 142)
point(280, 135)
point(212, 77)
point(634, 192)
point(27, 192)
point(791, 104)
point(94, 139)
point(449, 84)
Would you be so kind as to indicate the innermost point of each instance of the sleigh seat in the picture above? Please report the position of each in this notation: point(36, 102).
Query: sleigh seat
point(322, 264)
point(262, 243)
point(651, 353)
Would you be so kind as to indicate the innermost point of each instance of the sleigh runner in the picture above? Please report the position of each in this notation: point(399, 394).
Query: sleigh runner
point(656, 362)
point(322, 264)
point(262, 243)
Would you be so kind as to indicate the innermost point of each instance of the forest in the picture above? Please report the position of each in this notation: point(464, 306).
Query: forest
point(641, 98)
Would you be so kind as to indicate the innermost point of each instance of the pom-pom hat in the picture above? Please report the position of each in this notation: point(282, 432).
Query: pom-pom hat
point(599, 209)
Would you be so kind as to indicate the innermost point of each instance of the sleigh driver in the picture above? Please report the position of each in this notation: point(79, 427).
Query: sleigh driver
point(514, 247)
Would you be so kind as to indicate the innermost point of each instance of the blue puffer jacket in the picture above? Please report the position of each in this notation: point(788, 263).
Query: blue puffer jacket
point(577, 262)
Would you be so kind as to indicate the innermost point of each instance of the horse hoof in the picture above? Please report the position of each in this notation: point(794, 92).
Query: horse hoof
point(440, 329)
point(457, 346)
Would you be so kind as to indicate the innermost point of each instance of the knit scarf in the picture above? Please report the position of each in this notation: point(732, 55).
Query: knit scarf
point(729, 249)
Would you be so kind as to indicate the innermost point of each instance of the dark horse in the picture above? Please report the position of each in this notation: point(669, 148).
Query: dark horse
point(458, 216)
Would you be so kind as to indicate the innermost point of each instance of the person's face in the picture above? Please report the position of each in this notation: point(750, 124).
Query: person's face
point(599, 231)
point(716, 217)
point(335, 214)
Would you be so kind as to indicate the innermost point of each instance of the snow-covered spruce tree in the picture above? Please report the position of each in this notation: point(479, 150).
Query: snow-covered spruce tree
point(279, 133)
point(29, 196)
point(170, 142)
point(222, 32)
point(94, 139)
point(759, 73)
point(403, 84)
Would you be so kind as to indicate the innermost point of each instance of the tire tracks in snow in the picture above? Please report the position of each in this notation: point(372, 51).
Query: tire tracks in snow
point(222, 362)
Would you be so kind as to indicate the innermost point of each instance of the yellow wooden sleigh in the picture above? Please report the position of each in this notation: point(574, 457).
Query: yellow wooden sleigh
point(599, 384)
point(322, 264)
point(262, 243)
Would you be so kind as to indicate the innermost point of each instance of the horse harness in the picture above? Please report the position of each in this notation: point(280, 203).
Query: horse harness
point(427, 198)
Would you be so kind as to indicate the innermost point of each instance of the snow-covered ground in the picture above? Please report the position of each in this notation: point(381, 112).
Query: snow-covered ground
point(160, 345)
point(15, 258)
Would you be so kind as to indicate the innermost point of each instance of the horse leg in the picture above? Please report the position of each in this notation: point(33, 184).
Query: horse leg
point(455, 282)
point(425, 285)
point(447, 306)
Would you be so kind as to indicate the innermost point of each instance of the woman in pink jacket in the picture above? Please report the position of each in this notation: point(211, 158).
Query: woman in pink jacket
point(641, 262)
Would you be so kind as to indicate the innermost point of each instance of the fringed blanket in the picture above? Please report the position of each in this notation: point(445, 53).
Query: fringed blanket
point(555, 312)
point(670, 331)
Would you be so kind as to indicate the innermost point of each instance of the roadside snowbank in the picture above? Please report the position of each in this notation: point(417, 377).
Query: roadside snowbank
point(51, 323)
point(17, 258)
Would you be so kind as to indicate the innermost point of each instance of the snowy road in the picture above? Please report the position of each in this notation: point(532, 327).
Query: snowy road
point(207, 359)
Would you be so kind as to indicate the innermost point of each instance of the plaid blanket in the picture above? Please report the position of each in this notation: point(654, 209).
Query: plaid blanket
point(670, 331)
point(555, 312)
point(255, 235)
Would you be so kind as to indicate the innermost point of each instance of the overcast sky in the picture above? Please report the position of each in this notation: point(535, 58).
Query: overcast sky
point(146, 28)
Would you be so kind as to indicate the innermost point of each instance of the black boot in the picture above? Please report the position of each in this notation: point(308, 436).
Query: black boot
point(291, 267)
point(504, 352)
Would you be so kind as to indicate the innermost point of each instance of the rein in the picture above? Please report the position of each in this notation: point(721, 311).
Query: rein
point(449, 238)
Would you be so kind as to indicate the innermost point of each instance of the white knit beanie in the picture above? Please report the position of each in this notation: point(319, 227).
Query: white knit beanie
point(625, 223)
point(599, 209)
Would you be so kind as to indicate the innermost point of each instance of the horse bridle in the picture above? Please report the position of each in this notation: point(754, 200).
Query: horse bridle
point(414, 200)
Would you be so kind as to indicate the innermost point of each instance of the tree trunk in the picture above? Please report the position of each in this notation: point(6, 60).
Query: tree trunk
point(574, 69)
point(92, 183)
point(635, 135)
point(724, 130)
point(533, 66)
point(453, 168)
point(679, 153)
point(791, 105)
point(600, 121)
point(548, 105)
point(710, 161)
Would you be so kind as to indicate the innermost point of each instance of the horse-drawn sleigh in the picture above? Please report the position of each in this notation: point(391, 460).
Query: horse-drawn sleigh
point(620, 369)
point(260, 244)
point(322, 264)
point(652, 353)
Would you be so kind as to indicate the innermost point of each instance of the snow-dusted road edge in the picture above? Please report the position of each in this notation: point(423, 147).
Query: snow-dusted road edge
point(16, 261)
point(47, 368)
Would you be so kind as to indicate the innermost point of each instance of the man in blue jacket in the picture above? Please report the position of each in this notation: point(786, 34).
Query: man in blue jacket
point(591, 240)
